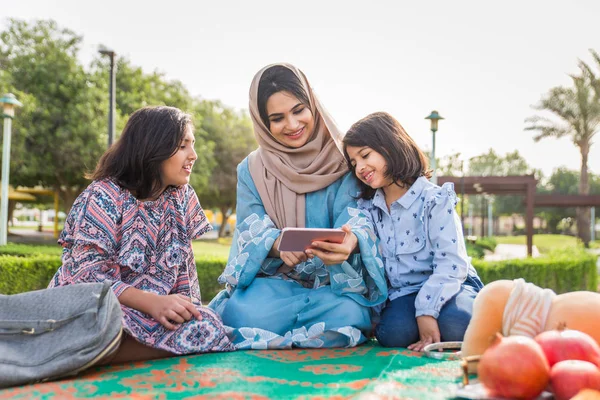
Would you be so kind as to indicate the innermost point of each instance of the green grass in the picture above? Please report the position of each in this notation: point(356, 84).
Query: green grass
point(18, 249)
point(218, 248)
point(202, 248)
point(45, 228)
point(544, 243)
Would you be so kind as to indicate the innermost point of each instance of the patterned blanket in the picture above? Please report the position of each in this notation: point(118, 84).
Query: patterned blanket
point(365, 372)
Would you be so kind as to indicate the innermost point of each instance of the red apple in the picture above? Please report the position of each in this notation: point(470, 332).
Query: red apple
point(568, 344)
point(514, 367)
point(568, 377)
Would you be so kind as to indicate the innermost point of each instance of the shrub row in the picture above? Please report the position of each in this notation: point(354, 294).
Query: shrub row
point(562, 271)
point(487, 243)
point(474, 251)
point(26, 272)
point(22, 274)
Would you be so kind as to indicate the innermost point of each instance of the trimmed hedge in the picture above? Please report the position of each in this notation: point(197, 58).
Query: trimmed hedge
point(24, 271)
point(487, 243)
point(562, 271)
point(22, 274)
point(474, 251)
point(209, 269)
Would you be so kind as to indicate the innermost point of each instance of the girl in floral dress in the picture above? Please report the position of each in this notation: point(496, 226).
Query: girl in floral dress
point(133, 227)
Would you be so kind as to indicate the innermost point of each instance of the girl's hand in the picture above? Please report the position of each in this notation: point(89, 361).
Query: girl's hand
point(334, 253)
point(172, 310)
point(429, 332)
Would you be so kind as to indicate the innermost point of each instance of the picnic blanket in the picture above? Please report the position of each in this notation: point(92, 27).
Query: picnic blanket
point(365, 372)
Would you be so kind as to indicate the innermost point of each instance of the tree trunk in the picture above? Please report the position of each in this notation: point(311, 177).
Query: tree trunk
point(68, 196)
point(583, 213)
point(226, 215)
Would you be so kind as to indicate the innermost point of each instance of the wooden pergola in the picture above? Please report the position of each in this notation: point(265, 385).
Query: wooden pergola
point(523, 185)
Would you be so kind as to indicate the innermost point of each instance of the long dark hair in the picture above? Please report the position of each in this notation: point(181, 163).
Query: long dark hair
point(151, 136)
point(383, 133)
point(278, 79)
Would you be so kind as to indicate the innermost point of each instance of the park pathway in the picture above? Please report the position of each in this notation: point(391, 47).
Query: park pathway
point(510, 251)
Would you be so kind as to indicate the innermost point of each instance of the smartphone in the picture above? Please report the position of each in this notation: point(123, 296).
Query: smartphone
point(300, 239)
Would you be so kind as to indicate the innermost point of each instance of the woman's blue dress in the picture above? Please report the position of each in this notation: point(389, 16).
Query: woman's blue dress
point(315, 305)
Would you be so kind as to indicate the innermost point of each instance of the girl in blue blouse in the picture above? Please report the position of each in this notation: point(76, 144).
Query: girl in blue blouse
point(432, 283)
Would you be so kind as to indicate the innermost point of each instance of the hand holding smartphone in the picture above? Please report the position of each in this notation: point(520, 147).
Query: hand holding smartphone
point(300, 239)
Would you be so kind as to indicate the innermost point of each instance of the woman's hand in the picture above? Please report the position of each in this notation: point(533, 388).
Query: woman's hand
point(334, 253)
point(172, 310)
point(289, 258)
point(429, 332)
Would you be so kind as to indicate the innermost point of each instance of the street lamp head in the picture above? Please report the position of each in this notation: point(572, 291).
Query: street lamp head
point(106, 51)
point(434, 117)
point(9, 102)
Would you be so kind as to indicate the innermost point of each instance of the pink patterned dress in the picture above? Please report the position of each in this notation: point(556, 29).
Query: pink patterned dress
point(111, 236)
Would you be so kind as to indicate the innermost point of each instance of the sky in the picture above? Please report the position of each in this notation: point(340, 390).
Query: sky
point(482, 65)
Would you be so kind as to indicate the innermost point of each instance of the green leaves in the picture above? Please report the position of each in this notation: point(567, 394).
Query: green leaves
point(61, 131)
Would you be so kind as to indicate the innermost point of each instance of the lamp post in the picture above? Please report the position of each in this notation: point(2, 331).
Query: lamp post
point(434, 117)
point(9, 102)
point(490, 202)
point(111, 91)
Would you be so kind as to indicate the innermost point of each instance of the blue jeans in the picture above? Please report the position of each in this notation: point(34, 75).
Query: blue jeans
point(398, 325)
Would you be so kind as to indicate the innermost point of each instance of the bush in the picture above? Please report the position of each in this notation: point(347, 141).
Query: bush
point(26, 269)
point(487, 243)
point(562, 270)
point(22, 274)
point(209, 268)
point(474, 250)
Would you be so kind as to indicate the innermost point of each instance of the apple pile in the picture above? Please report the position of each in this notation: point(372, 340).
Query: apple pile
point(519, 367)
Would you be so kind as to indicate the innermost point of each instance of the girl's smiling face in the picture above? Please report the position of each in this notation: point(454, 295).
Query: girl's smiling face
point(176, 170)
point(290, 121)
point(369, 166)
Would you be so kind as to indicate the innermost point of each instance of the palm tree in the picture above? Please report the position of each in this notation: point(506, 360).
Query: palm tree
point(588, 72)
point(578, 112)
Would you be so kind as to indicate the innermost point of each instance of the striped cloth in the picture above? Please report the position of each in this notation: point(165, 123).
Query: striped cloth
point(526, 310)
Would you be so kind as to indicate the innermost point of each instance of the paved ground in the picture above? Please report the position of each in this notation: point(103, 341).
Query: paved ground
point(508, 251)
point(29, 236)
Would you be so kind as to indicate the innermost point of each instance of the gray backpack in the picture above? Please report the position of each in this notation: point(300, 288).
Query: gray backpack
point(53, 333)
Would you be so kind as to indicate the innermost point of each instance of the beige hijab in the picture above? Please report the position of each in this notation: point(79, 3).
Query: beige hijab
point(283, 175)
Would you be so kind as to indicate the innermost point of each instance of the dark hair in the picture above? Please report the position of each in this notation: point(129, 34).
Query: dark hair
point(405, 162)
point(151, 136)
point(278, 79)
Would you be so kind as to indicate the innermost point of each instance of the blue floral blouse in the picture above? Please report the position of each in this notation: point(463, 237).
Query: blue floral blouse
point(422, 244)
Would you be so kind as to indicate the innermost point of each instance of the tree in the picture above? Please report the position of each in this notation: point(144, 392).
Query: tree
point(234, 140)
point(575, 113)
point(493, 164)
point(56, 138)
point(564, 181)
point(451, 165)
point(136, 89)
point(61, 131)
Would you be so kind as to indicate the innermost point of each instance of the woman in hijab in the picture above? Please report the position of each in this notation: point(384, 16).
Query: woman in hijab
point(297, 178)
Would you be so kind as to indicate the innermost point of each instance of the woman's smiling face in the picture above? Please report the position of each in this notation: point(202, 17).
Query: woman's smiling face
point(290, 122)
